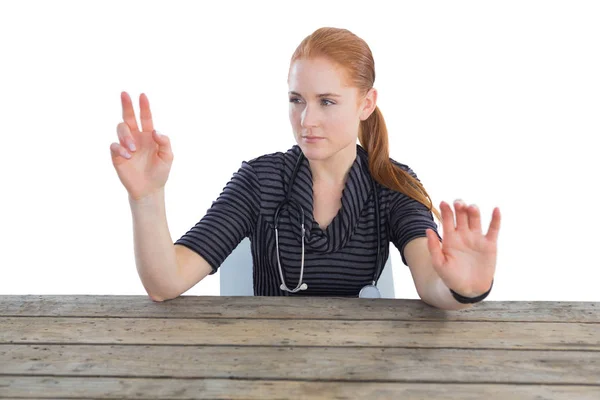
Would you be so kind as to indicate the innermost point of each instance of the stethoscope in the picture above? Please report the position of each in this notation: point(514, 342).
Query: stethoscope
point(368, 291)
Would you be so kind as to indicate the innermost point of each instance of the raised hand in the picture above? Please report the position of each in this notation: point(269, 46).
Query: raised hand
point(142, 158)
point(466, 259)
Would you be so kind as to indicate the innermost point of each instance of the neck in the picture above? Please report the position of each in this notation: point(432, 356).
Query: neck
point(333, 170)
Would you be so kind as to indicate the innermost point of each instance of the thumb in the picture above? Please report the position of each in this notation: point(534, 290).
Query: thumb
point(435, 248)
point(164, 145)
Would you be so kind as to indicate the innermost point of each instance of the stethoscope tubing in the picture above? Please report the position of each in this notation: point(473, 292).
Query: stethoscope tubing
point(288, 200)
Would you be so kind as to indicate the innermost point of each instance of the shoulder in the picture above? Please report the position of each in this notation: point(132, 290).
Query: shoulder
point(273, 162)
point(394, 194)
point(267, 173)
point(404, 167)
point(397, 200)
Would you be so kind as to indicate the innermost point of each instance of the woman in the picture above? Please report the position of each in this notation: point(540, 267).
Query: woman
point(319, 216)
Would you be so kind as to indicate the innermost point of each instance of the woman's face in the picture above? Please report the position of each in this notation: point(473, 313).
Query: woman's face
point(325, 113)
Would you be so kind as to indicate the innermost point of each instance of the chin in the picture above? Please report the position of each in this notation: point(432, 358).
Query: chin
point(312, 152)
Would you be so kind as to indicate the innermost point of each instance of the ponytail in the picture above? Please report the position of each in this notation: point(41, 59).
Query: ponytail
point(373, 137)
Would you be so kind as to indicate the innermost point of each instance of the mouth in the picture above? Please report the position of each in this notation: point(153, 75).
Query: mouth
point(312, 139)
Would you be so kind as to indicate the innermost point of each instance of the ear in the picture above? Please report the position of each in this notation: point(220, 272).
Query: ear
point(368, 104)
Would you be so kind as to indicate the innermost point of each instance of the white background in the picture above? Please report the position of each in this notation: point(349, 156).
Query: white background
point(493, 102)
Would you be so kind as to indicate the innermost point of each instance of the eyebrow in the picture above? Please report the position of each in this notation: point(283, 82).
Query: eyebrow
point(319, 95)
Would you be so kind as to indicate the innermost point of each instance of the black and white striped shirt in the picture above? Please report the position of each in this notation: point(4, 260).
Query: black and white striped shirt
point(339, 260)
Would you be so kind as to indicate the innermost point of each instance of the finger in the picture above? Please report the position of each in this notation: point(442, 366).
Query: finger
point(447, 219)
point(145, 114)
point(494, 228)
point(128, 113)
point(117, 151)
point(125, 137)
point(462, 219)
point(435, 248)
point(164, 145)
point(474, 219)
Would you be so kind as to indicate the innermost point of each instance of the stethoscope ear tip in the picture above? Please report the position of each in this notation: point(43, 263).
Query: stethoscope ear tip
point(304, 286)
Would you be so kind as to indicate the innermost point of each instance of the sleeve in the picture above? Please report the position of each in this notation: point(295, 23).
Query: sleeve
point(231, 218)
point(409, 219)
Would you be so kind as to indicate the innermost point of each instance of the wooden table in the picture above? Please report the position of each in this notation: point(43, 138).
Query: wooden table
point(300, 348)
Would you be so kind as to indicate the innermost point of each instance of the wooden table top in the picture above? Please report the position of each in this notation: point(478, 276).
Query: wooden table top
point(302, 348)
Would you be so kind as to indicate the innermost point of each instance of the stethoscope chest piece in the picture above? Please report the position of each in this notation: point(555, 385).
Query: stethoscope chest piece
point(303, 286)
point(369, 292)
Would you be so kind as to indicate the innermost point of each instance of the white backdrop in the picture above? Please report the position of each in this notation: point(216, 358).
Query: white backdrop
point(493, 102)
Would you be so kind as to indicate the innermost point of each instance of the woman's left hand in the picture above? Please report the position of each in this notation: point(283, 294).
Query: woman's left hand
point(466, 259)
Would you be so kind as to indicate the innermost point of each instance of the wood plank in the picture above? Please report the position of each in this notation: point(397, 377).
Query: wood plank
point(505, 335)
point(304, 363)
point(293, 308)
point(140, 388)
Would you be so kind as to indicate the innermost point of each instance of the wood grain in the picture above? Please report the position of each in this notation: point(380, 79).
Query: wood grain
point(222, 331)
point(309, 348)
point(143, 388)
point(293, 308)
point(304, 363)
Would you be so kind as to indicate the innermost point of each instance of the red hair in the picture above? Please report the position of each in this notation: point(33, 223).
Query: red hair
point(354, 56)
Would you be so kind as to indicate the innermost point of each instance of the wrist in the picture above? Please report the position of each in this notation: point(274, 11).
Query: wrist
point(439, 295)
point(148, 207)
point(472, 296)
point(473, 290)
point(151, 199)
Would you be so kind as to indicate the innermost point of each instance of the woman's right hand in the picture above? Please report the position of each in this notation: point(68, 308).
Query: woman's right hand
point(144, 167)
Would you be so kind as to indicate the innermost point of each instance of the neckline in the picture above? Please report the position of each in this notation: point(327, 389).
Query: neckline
point(355, 194)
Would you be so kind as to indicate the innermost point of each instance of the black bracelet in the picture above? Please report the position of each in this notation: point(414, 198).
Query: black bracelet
point(470, 300)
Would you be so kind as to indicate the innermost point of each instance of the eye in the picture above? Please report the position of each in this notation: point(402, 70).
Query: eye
point(324, 102)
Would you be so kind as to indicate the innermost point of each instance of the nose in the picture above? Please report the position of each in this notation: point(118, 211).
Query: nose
point(309, 117)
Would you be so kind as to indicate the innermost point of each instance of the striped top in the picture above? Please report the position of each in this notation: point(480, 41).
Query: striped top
point(338, 261)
